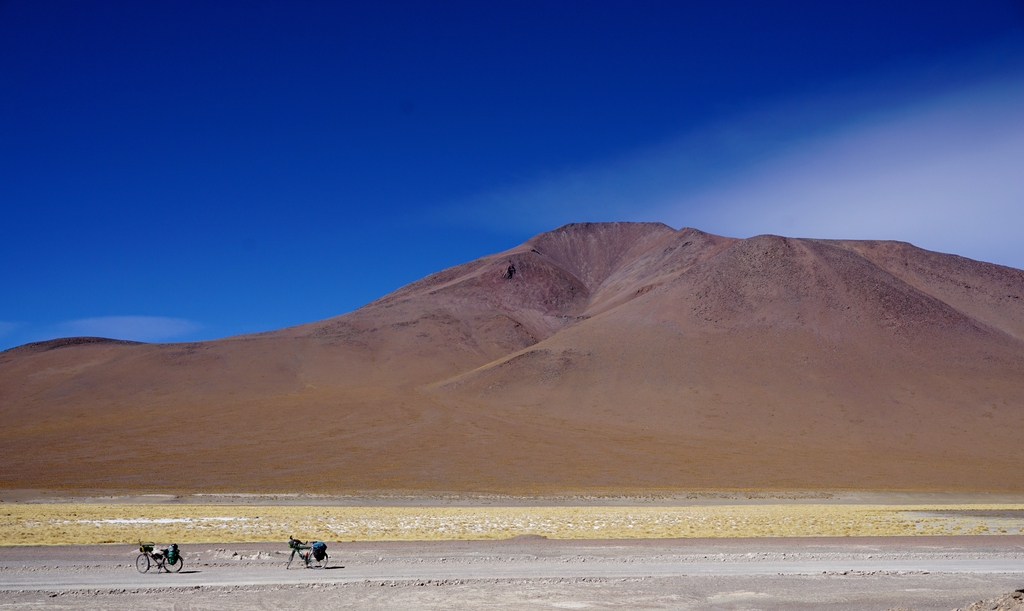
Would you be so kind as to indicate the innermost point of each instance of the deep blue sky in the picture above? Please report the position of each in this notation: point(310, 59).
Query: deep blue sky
point(187, 170)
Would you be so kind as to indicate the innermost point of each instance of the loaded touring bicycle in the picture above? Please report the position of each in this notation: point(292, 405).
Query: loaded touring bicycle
point(314, 556)
point(168, 559)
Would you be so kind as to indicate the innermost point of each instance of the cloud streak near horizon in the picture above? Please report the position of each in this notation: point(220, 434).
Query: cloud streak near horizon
point(945, 175)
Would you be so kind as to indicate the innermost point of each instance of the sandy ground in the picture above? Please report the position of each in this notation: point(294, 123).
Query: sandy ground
point(420, 498)
point(877, 573)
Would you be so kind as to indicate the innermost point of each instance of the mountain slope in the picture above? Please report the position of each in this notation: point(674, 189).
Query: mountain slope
point(595, 356)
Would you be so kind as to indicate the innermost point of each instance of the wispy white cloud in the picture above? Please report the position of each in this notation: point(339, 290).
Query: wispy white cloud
point(947, 175)
point(7, 327)
point(138, 328)
point(633, 187)
point(940, 166)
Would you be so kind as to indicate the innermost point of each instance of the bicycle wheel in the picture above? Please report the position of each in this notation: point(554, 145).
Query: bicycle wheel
point(142, 563)
point(176, 567)
point(319, 564)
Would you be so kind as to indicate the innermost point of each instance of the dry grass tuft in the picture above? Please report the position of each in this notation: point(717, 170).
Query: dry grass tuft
point(57, 524)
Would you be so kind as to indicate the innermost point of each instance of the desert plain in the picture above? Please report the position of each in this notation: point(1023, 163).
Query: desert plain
point(696, 551)
point(621, 415)
point(723, 550)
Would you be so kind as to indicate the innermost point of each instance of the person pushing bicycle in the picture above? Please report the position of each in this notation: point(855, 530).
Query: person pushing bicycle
point(297, 547)
point(315, 556)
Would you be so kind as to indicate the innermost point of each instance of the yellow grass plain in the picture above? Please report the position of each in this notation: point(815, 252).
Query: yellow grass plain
point(62, 524)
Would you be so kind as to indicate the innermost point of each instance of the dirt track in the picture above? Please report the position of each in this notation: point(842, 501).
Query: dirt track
point(920, 573)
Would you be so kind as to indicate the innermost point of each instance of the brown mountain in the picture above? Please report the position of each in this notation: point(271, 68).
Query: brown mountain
point(612, 356)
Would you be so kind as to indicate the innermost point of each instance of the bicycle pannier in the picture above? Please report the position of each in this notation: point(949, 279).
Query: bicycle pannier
point(319, 550)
